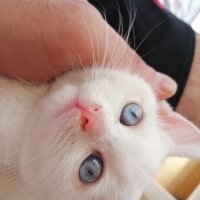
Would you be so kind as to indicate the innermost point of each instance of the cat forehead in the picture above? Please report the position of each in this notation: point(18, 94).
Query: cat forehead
point(98, 84)
point(109, 78)
point(117, 83)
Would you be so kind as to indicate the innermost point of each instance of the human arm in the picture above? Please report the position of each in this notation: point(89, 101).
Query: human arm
point(41, 39)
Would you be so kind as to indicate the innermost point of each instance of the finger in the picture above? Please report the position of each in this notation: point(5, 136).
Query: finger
point(165, 86)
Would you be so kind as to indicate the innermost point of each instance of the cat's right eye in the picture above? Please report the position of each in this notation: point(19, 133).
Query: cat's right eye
point(91, 169)
point(131, 114)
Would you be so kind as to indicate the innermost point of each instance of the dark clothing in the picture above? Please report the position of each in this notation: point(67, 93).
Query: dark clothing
point(161, 39)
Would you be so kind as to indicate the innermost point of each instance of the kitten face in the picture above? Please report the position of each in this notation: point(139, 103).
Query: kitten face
point(54, 152)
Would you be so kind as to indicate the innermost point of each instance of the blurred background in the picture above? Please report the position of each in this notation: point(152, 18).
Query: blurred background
point(187, 10)
point(180, 176)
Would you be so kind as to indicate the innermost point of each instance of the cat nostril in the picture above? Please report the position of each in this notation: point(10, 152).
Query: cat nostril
point(96, 108)
point(84, 122)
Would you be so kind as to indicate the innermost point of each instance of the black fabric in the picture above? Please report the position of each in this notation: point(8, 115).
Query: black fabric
point(162, 40)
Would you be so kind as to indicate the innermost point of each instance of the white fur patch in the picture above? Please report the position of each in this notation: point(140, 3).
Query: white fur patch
point(46, 148)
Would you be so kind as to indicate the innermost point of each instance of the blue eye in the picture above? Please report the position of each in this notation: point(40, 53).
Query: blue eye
point(91, 169)
point(131, 114)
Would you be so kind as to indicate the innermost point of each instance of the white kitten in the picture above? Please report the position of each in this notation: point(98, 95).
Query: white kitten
point(90, 135)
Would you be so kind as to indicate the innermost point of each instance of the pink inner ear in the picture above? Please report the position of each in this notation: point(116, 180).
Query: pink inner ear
point(183, 133)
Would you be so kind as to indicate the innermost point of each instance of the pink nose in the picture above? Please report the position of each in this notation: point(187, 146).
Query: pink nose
point(91, 118)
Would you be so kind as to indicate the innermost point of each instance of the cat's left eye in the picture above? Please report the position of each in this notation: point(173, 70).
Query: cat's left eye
point(131, 114)
point(91, 169)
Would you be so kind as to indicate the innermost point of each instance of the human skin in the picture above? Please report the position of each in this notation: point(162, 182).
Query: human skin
point(190, 100)
point(40, 39)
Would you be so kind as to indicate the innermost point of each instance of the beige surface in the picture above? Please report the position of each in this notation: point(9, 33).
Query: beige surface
point(180, 176)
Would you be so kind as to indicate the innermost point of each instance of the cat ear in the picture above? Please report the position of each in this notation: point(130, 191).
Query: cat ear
point(185, 136)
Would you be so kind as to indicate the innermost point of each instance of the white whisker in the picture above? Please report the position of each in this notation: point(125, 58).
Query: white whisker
point(150, 32)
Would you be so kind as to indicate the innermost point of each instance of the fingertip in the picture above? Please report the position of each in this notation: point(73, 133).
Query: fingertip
point(166, 86)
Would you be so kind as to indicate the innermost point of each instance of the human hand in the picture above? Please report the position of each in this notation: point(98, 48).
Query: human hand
point(40, 39)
